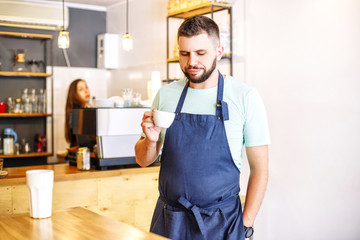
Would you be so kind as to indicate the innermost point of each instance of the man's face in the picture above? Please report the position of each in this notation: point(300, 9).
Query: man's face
point(197, 57)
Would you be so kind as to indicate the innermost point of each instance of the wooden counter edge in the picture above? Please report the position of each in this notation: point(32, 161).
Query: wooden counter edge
point(69, 173)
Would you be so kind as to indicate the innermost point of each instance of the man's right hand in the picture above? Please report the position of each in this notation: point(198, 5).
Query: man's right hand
point(148, 149)
point(149, 128)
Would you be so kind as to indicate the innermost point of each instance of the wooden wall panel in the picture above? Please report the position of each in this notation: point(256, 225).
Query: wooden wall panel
point(5, 201)
point(144, 210)
point(77, 193)
point(20, 199)
point(129, 198)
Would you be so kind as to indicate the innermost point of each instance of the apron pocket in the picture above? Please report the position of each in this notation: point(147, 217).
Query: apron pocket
point(215, 225)
point(175, 224)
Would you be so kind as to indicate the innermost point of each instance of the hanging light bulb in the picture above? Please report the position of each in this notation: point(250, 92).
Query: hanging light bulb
point(63, 39)
point(127, 41)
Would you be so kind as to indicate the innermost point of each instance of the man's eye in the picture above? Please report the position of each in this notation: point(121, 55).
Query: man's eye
point(184, 53)
point(201, 53)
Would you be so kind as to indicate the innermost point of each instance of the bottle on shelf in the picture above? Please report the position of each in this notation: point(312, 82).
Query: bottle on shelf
point(33, 101)
point(9, 139)
point(27, 108)
point(18, 106)
point(42, 101)
point(10, 104)
point(25, 146)
point(24, 94)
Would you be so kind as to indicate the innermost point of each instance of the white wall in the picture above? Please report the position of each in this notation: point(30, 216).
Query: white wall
point(304, 58)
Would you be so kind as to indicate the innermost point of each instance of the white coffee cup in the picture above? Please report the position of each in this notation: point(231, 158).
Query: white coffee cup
point(40, 188)
point(163, 119)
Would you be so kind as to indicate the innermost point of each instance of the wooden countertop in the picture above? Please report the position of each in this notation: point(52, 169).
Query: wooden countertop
point(64, 172)
point(74, 223)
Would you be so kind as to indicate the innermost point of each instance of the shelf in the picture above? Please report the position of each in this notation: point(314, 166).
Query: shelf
point(226, 56)
point(176, 59)
point(26, 35)
point(12, 82)
point(24, 115)
point(25, 74)
point(173, 60)
point(25, 155)
point(199, 10)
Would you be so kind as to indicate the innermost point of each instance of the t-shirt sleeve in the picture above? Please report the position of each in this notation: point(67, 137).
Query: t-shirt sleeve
point(256, 130)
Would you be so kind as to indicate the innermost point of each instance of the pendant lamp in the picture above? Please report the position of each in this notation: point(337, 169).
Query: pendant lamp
point(127, 41)
point(63, 40)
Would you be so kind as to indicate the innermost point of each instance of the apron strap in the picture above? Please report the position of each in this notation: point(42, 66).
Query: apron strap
point(196, 211)
point(182, 99)
point(221, 106)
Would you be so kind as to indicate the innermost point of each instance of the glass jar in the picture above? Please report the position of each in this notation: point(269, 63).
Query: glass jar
point(19, 61)
point(33, 101)
point(127, 96)
point(8, 144)
point(41, 101)
point(136, 102)
point(83, 158)
point(10, 104)
point(27, 106)
point(18, 106)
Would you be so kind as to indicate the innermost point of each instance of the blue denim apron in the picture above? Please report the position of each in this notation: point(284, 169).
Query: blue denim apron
point(198, 181)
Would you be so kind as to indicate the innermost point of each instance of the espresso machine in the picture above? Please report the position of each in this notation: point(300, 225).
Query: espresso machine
point(110, 133)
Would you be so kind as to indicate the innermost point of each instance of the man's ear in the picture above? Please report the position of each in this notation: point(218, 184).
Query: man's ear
point(220, 51)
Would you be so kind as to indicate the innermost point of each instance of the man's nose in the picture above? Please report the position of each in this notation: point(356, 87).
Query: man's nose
point(193, 60)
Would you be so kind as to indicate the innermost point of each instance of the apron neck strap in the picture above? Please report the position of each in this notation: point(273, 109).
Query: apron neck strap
point(221, 106)
point(182, 98)
point(220, 90)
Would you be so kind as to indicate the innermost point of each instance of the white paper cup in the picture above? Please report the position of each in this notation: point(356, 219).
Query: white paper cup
point(163, 119)
point(40, 188)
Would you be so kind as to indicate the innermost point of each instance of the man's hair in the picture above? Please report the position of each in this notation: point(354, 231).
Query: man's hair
point(199, 24)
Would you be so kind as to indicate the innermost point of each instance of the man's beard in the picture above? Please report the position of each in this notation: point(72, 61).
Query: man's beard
point(204, 76)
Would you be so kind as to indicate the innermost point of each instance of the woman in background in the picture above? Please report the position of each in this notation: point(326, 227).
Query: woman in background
point(78, 97)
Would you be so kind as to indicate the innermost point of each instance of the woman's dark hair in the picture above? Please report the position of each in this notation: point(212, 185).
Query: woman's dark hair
point(199, 24)
point(72, 101)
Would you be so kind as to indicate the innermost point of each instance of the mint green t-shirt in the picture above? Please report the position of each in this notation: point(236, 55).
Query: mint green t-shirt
point(247, 124)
